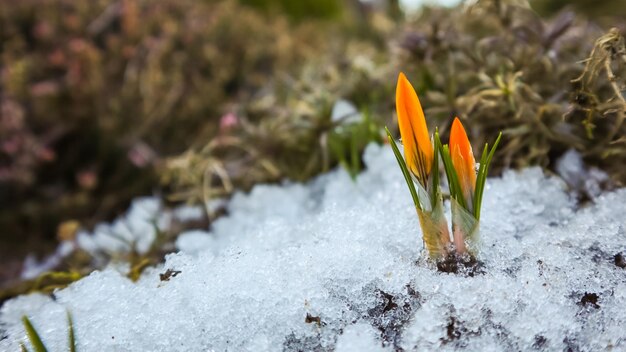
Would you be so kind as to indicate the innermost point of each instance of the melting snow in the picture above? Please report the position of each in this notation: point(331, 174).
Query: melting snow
point(337, 265)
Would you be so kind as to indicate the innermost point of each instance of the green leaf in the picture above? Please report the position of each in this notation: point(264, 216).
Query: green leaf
point(435, 175)
point(355, 158)
point(23, 348)
point(481, 178)
point(453, 179)
point(72, 340)
point(33, 336)
point(405, 170)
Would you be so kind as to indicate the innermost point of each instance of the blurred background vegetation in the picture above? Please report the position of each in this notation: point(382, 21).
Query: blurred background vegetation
point(102, 101)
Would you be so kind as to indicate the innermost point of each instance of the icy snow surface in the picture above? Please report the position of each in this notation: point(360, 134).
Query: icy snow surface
point(337, 265)
point(136, 230)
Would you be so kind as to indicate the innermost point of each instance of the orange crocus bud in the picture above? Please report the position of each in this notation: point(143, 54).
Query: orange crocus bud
point(418, 148)
point(463, 161)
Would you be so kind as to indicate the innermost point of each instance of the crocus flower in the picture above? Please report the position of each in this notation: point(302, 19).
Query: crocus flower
point(420, 167)
point(463, 224)
point(463, 161)
point(418, 148)
point(466, 185)
point(420, 162)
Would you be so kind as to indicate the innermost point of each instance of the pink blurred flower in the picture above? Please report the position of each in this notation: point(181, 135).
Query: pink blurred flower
point(141, 155)
point(228, 122)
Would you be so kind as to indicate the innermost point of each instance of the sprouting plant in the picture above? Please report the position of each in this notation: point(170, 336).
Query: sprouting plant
point(421, 172)
point(466, 185)
point(35, 339)
point(347, 140)
point(420, 164)
point(33, 336)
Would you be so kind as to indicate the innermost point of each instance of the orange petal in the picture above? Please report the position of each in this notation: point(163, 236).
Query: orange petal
point(463, 160)
point(418, 149)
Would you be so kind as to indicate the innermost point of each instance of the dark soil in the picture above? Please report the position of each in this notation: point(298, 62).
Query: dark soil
point(391, 314)
point(169, 273)
point(590, 299)
point(620, 260)
point(465, 265)
point(312, 319)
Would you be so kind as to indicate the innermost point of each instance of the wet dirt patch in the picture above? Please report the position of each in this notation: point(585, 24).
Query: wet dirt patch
point(169, 273)
point(464, 265)
point(456, 332)
point(313, 319)
point(590, 299)
point(391, 314)
point(619, 260)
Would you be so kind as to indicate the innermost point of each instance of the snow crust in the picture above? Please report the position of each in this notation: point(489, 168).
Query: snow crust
point(134, 231)
point(137, 229)
point(572, 169)
point(339, 265)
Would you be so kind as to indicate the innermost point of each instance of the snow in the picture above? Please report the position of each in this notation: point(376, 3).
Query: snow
point(195, 241)
point(136, 230)
point(345, 112)
point(413, 5)
point(339, 265)
point(359, 337)
point(33, 268)
point(588, 181)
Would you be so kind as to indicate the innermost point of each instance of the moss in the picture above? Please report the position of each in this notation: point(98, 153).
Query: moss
point(299, 10)
point(96, 93)
point(500, 67)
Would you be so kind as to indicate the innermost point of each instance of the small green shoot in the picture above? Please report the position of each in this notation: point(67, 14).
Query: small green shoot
point(483, 169)
point(71, 338)
point(35, 339)
point(405, 170)
point(33, 336)
point(348, 139)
